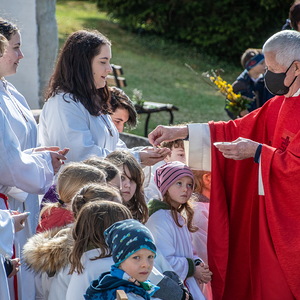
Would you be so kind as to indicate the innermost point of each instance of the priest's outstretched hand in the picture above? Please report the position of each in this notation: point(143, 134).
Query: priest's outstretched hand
point(239, 149)
point(167, 133)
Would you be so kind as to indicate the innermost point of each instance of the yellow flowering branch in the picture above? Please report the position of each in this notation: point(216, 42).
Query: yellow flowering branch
point(235, 103)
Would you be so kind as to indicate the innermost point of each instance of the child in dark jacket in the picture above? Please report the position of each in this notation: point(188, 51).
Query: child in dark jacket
point(133, 251)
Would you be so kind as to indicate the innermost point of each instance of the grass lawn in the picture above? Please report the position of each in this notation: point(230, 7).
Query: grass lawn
point(153, 65)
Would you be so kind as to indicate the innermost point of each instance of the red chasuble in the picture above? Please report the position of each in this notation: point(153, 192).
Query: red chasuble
point(254, 241)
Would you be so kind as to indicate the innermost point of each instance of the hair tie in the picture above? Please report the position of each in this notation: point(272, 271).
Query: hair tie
point(61, 202)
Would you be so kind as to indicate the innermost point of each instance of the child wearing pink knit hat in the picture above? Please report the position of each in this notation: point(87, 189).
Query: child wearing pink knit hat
point(170, 222)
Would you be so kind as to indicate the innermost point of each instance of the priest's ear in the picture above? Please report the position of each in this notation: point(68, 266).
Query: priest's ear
point(297, 67)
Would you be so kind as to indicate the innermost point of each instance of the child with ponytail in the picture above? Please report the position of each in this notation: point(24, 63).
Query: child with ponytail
point(71, 179)
point(171, 223)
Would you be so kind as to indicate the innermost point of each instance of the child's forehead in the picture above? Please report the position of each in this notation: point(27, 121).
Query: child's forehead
point(184, 178)
point(177, 148)
point(143, 251)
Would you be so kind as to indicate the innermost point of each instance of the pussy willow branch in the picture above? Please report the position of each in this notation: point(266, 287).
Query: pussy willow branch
point(209, 83)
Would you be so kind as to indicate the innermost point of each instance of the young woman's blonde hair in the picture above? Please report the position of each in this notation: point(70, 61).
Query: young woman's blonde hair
point(136, 204)
point(70, 180)
point(185, 210)
point(94, 192)
point(88, 232)
point(3, 44)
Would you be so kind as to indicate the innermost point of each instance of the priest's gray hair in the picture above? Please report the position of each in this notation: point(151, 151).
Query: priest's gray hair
point(286, 45)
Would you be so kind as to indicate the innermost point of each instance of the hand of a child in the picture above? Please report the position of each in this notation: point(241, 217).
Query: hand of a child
point(19, 219)
point(16, 264)
point(202, 273)
point(150, 156)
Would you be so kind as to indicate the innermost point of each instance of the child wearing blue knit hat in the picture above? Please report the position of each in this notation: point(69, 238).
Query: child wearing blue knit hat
point(133, 252)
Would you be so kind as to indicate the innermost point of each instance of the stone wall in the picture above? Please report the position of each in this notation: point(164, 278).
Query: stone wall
point(36, 20)
point(23, 13)
point(47, 42)
point(132, 140)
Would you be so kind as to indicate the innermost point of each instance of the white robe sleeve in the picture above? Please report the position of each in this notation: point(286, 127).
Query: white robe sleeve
point(31, 173)
point(122, 146)
point(150, 189)
point(7, 230)
point(162, 232)
point(198, 148)
point(198, 151)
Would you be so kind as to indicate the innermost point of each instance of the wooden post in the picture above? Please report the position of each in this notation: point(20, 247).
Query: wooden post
point(121, 295)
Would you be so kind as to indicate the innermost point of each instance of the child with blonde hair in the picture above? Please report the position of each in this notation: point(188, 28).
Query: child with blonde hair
point(111, 172)
point(201, 208)
point(171, 223)
point(71, 179)
point(47, 253)
point(132, 179)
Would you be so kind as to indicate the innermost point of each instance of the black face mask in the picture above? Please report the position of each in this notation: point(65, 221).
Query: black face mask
point(275, 82)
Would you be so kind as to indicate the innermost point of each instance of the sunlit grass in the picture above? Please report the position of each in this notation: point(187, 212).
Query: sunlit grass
point(154, 66)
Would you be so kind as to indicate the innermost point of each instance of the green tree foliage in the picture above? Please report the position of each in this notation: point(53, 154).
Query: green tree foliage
point(222, 28)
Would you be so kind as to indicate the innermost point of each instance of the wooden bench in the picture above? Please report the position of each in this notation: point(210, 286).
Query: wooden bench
point(116, 79)
point(154, 107)
point(149, 107)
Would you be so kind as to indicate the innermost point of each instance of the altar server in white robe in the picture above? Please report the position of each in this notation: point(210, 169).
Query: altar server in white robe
point(23, 124)
point(32, 172)
point(76, 112)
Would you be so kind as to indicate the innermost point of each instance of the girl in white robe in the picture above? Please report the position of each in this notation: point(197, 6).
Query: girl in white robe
point(76, 112)
point(170, 222)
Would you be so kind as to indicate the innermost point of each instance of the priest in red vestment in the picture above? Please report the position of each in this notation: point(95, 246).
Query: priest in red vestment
point(254, 221)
